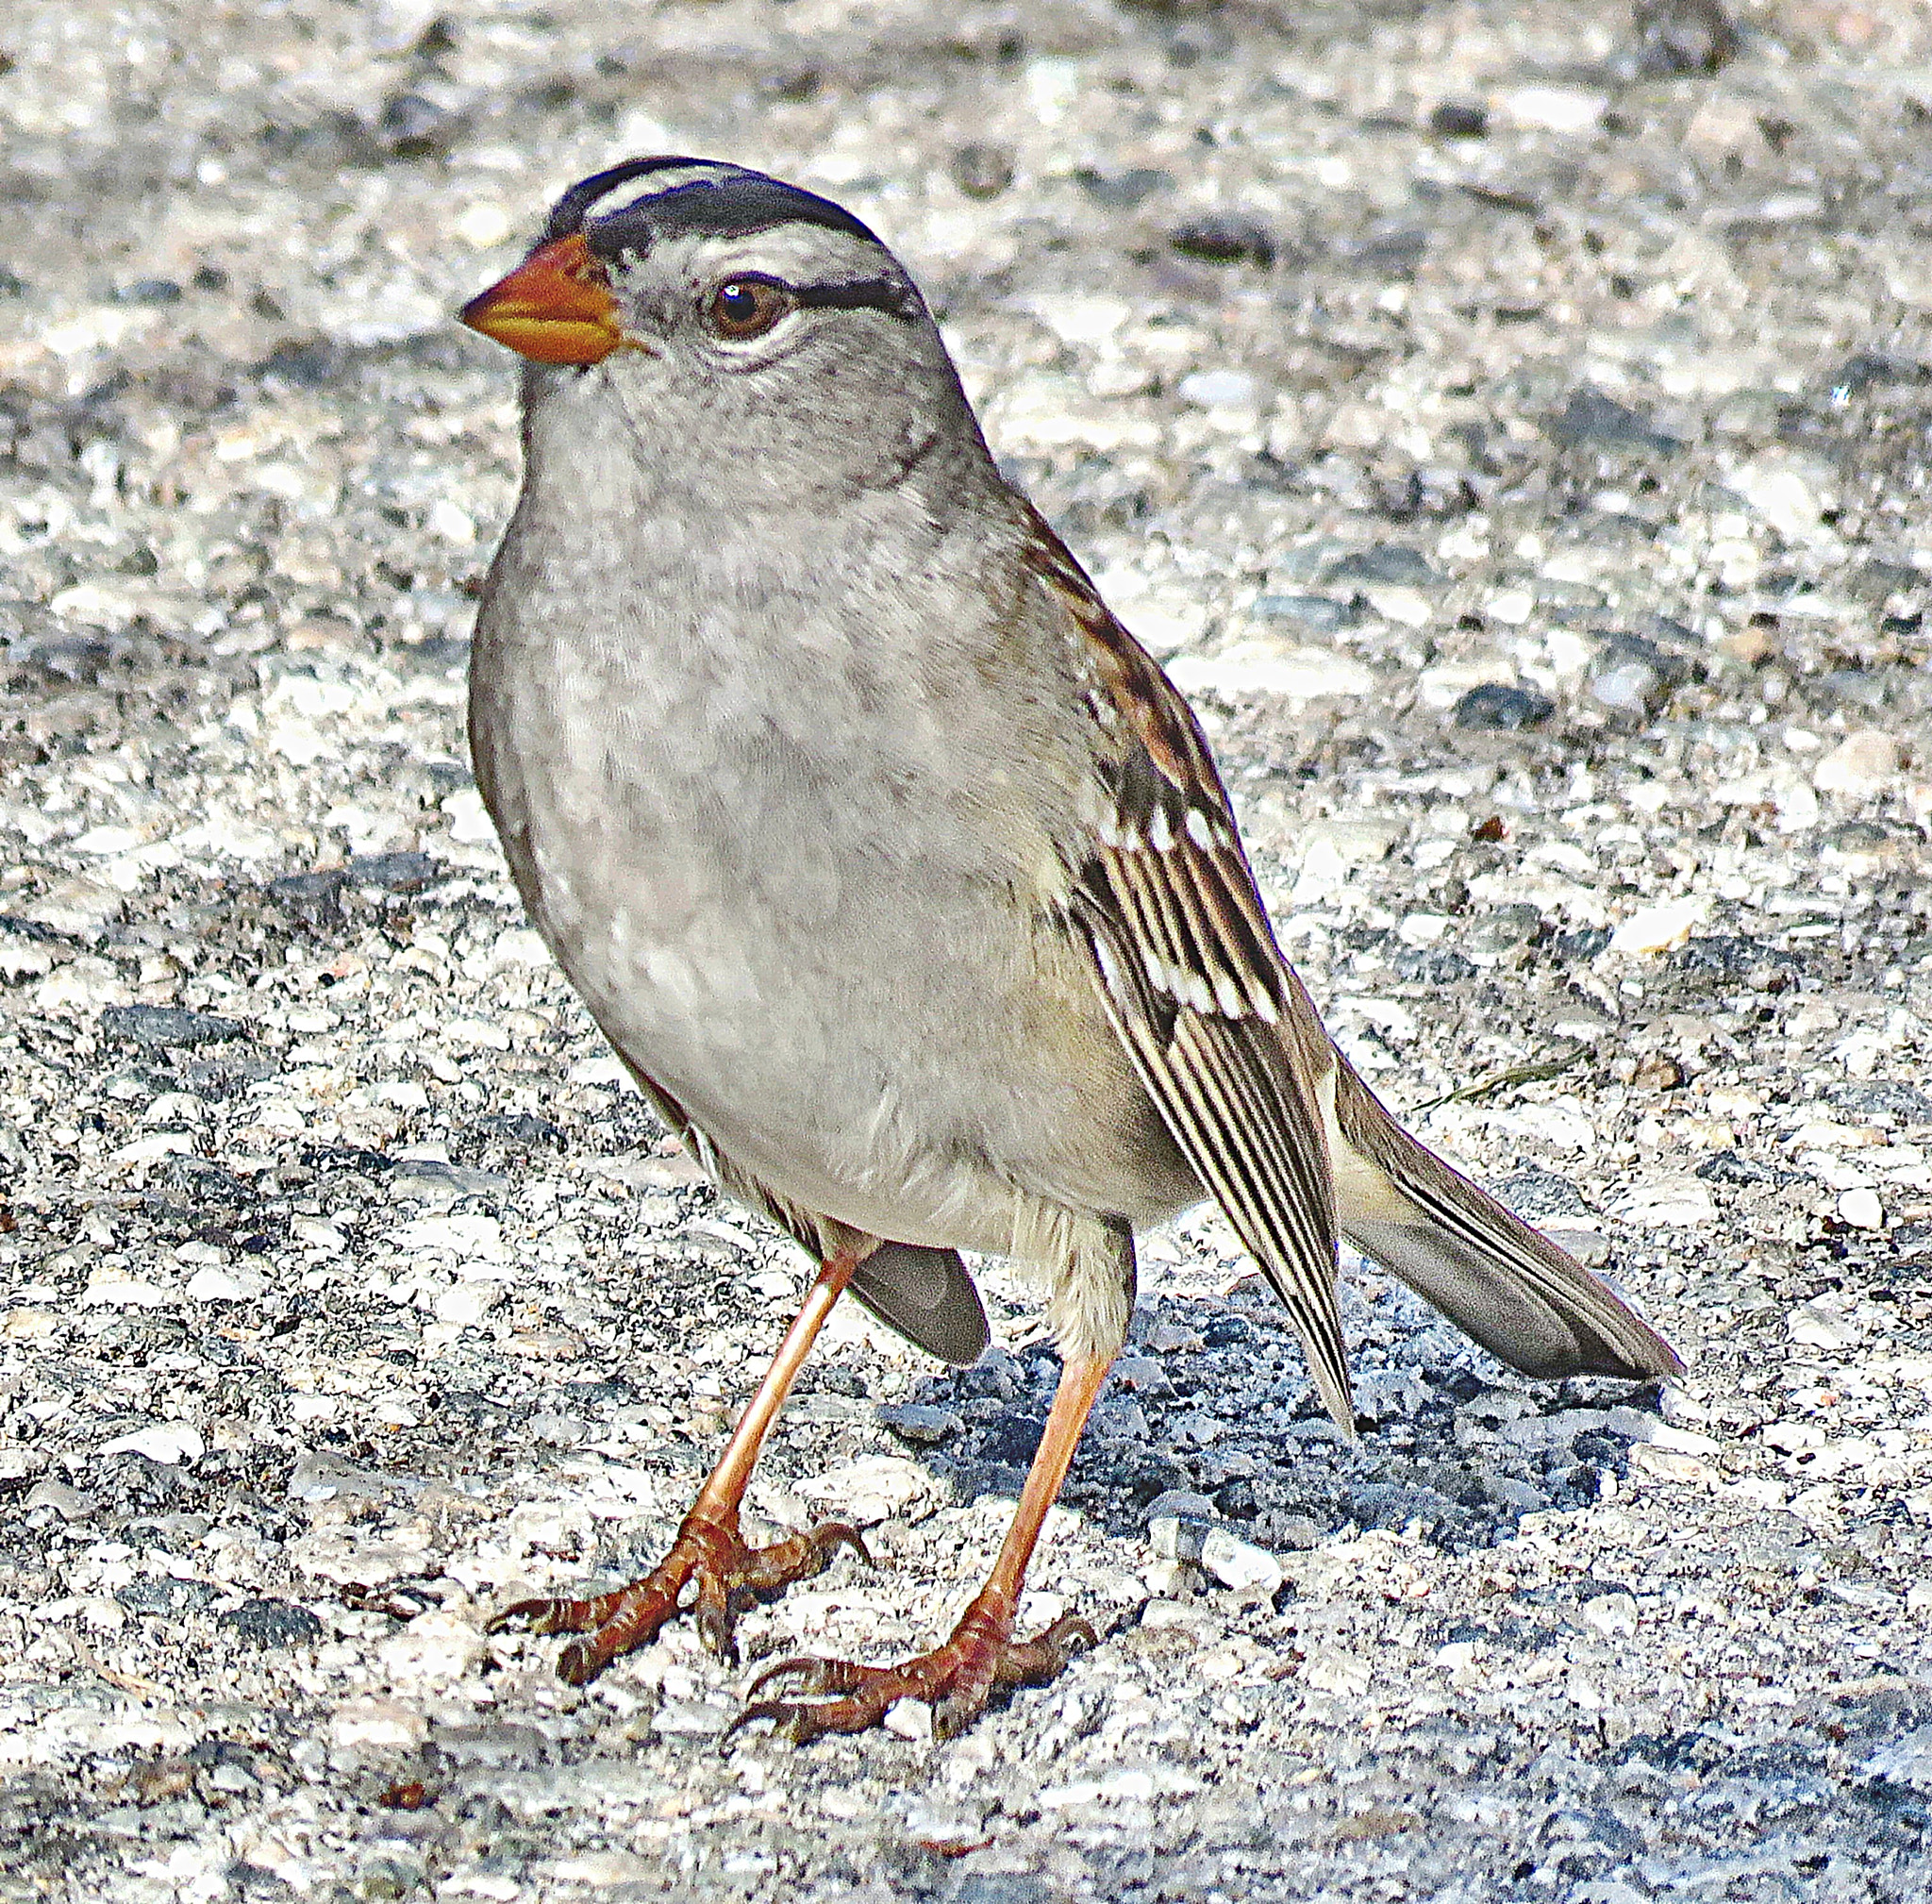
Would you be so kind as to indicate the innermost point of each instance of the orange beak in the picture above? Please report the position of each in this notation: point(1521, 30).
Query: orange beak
point(556, 307)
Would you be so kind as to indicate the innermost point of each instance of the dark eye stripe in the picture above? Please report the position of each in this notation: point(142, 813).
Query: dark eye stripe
point(875, 294)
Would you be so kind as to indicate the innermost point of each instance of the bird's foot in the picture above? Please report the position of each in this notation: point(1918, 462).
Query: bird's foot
point(708, 1553)
point(956, 1679)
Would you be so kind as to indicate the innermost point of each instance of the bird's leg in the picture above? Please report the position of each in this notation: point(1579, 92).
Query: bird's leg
point(981, 1658)
point(708, 1551)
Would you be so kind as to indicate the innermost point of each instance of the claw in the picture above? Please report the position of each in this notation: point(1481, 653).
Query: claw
point(535, 1612)
point(958, 1679)
point(556, 1616)
point(780, 1711)
point(728, 1576)
point(802, 1664)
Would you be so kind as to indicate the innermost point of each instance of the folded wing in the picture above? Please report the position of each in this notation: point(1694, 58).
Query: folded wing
point(1226, 1042)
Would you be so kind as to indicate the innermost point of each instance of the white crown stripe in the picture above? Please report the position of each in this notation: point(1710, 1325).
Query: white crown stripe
point(654, 185)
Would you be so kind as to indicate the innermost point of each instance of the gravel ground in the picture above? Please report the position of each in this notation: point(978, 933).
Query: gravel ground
point(1517, 446)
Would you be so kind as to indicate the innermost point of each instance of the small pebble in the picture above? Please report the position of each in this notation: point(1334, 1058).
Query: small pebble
point(1862, 1209)
point(1496, 706)
point(981, 170)
point(1861, 767)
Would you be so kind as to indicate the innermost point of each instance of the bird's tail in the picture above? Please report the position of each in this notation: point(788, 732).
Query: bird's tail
point(1527, 1302)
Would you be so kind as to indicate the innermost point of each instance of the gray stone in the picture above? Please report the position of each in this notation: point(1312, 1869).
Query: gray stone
point(926, 1426)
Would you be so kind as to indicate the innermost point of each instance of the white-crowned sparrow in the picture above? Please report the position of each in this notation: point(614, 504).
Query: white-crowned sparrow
point(898, 872)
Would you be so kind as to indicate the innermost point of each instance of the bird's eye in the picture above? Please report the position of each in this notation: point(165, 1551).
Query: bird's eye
point(748, 307)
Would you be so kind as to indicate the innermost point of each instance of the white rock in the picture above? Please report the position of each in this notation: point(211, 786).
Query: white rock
point(1831, 1322)
point(871, 1490)
point(1782, 496)
point(519, 948)
point(1053, 413)
point(1862, 1209)
point(1358, 425)
point(433, 1646)
point(1398, 602)
point(1797, 806)
point(211, 1283)
point(461, 1236)
point(85, 907)
point(482, 225)
point(309, 696)
point(1134, 1785)
point(1727, 125)
point(467, 1304)
point(1610, 1613)
point(162, 1144)
point(1218, 389)
point(1863, 765)
point(22, 958)
point(299, 742)
point(1672, 1202)
point(175, 1106)
point(1683, 1441)
point(910, 1719)
point(1081, 320)
point(1165, 623)
point(170, 1442)
point(454, 524)
point(1671, 1464)
point(1332, 1670)
point(1551, 109)
point(377, 1726)
point(1259, 666)
point(101, 607)
point(114, 1289)
point(82, 985)
point(232, 838)
point(1657, 928)
point(100, 841)
point(468, 821)
point(69, 1503)
point(607, 1069)
point(690, 1718)
point(1364, 842)
point(1588, 1246)
point(1239, 1563)
point(323, 1476)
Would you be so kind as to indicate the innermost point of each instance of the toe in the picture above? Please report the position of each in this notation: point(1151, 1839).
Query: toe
point(811, 1676)
point(549, 1616)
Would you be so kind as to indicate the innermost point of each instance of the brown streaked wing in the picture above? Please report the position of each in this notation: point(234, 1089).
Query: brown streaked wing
point(1221, 1036)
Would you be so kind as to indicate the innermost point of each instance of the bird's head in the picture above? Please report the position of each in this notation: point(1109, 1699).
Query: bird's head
point(734, 317)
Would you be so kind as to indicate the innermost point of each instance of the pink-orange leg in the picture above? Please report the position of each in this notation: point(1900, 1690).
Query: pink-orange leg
point(982, 1658)
point(708, 1549)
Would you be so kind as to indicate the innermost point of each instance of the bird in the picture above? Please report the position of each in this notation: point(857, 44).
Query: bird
point(902, 881)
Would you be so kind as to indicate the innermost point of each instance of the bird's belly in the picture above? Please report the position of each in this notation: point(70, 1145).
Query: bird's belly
point(824, 1067)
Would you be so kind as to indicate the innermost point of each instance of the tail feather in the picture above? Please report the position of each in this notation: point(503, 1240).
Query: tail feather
point(1529, 1303)
point(928, 1296)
